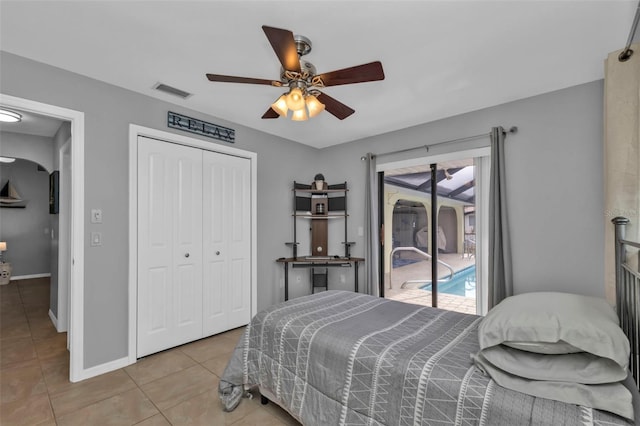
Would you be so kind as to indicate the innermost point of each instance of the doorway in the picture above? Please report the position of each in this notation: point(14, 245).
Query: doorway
point(72, 256)
point(450, 226)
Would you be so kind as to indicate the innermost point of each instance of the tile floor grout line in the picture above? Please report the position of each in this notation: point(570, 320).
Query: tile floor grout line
point(160, 378)
point(46, 386)
point(148, 398)
point(90, 404)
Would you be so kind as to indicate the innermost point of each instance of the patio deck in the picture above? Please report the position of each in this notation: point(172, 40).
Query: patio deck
point(422, 269)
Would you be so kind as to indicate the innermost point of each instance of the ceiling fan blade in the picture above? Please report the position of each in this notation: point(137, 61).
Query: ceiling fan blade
point(335, 107)
point(358, 74)
point(234, 79)
point(284, 46)
point(270, 114)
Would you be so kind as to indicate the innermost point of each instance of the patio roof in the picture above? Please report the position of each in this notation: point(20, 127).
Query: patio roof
point(456, 180)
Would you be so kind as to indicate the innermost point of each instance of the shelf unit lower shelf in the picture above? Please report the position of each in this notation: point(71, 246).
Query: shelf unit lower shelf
point(319, 262)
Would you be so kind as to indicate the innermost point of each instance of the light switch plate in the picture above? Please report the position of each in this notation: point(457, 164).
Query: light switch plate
point(96, 239)
point(96, 216)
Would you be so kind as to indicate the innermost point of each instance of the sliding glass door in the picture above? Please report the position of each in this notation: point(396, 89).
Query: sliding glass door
point(433, 233)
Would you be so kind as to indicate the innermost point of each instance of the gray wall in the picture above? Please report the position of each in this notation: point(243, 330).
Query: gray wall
point(108, 112)
point(34, 148)
point(26, 230)
point(554, 170)
point(554, 181)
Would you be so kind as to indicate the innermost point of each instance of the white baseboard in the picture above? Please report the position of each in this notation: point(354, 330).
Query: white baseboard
point(107, 367)
point(53, 318)
point(29, 277)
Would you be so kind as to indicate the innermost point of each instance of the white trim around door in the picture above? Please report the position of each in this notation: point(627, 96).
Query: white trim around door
point(64, 234)
point(134, 132)
point(77, 371)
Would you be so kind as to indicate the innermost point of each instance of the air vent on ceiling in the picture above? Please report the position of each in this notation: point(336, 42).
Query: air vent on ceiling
point(172, 90)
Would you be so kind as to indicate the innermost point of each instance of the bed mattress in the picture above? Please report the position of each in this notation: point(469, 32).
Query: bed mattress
point(343, 358)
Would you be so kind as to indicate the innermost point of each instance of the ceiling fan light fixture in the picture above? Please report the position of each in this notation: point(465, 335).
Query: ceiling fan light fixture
point(295, 99)
point(301, 79)
point(314, 106)
point(9, 116)
point(280, 106)
point(300, 115)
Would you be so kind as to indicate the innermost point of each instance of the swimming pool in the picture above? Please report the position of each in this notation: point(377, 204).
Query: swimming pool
point(462, 284)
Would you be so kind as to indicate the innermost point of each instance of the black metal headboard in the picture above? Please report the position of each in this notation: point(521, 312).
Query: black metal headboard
point(627, 294)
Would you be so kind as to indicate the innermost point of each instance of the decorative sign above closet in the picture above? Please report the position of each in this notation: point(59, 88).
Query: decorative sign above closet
point(199, 127)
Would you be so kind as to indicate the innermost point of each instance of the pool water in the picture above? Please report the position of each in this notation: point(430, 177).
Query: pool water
point(463, 283)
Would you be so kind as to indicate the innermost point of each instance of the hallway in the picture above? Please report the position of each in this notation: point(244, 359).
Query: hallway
point(174, 387)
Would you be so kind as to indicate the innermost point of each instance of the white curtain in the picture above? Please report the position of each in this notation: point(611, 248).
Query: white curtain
point(372, 233)
point(621, 154)
point(500, 269)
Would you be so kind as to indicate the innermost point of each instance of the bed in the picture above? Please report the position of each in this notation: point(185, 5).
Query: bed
point(340, 357)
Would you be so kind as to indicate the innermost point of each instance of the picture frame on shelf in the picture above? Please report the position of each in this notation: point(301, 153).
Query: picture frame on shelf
point(54, 192)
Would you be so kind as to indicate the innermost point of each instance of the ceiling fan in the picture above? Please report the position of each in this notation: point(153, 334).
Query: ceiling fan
point(304, 98)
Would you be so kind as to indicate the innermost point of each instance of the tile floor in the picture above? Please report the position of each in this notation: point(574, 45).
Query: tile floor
point(174, 387)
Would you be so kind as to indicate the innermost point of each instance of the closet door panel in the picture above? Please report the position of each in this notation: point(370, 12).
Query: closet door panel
point(226, 226)
point(237, 292)
point(157, 308)
point(239, 241)
point(188, 238)
point(214, 299)
point(155, 271)
point(187, 293)
point(169, 246)
point(215, 233)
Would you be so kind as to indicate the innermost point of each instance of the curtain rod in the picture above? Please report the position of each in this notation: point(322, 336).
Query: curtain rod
point(627, 52)
point(513, 129)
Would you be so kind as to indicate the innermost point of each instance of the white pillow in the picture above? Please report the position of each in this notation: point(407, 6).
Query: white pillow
point(554, 348)
point(612, 397)
point(580, 367)
point(584, 322)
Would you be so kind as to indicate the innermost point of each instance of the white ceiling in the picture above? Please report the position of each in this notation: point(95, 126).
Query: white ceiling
point(33, 124)
point(440, 58)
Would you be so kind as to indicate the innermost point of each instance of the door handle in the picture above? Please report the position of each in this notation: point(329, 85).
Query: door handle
point(218, 253)
point(186, 255)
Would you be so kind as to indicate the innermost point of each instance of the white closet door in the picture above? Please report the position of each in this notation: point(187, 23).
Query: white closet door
point(227, 242)
point(169, 245)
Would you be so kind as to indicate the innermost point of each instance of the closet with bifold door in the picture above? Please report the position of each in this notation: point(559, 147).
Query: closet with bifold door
point(194, 244)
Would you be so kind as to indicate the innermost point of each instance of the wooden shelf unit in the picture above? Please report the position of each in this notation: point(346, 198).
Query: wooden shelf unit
point(319, 205)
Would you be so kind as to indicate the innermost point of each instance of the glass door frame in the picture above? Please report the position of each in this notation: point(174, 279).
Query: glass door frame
point(482, 161)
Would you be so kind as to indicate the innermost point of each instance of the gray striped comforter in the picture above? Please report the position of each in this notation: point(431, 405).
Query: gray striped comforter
point(343, 358)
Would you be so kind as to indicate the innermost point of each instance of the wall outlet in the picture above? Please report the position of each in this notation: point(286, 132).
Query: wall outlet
point(298, 279)
point(96, 215)
point(343, 279)
point(360, 231)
